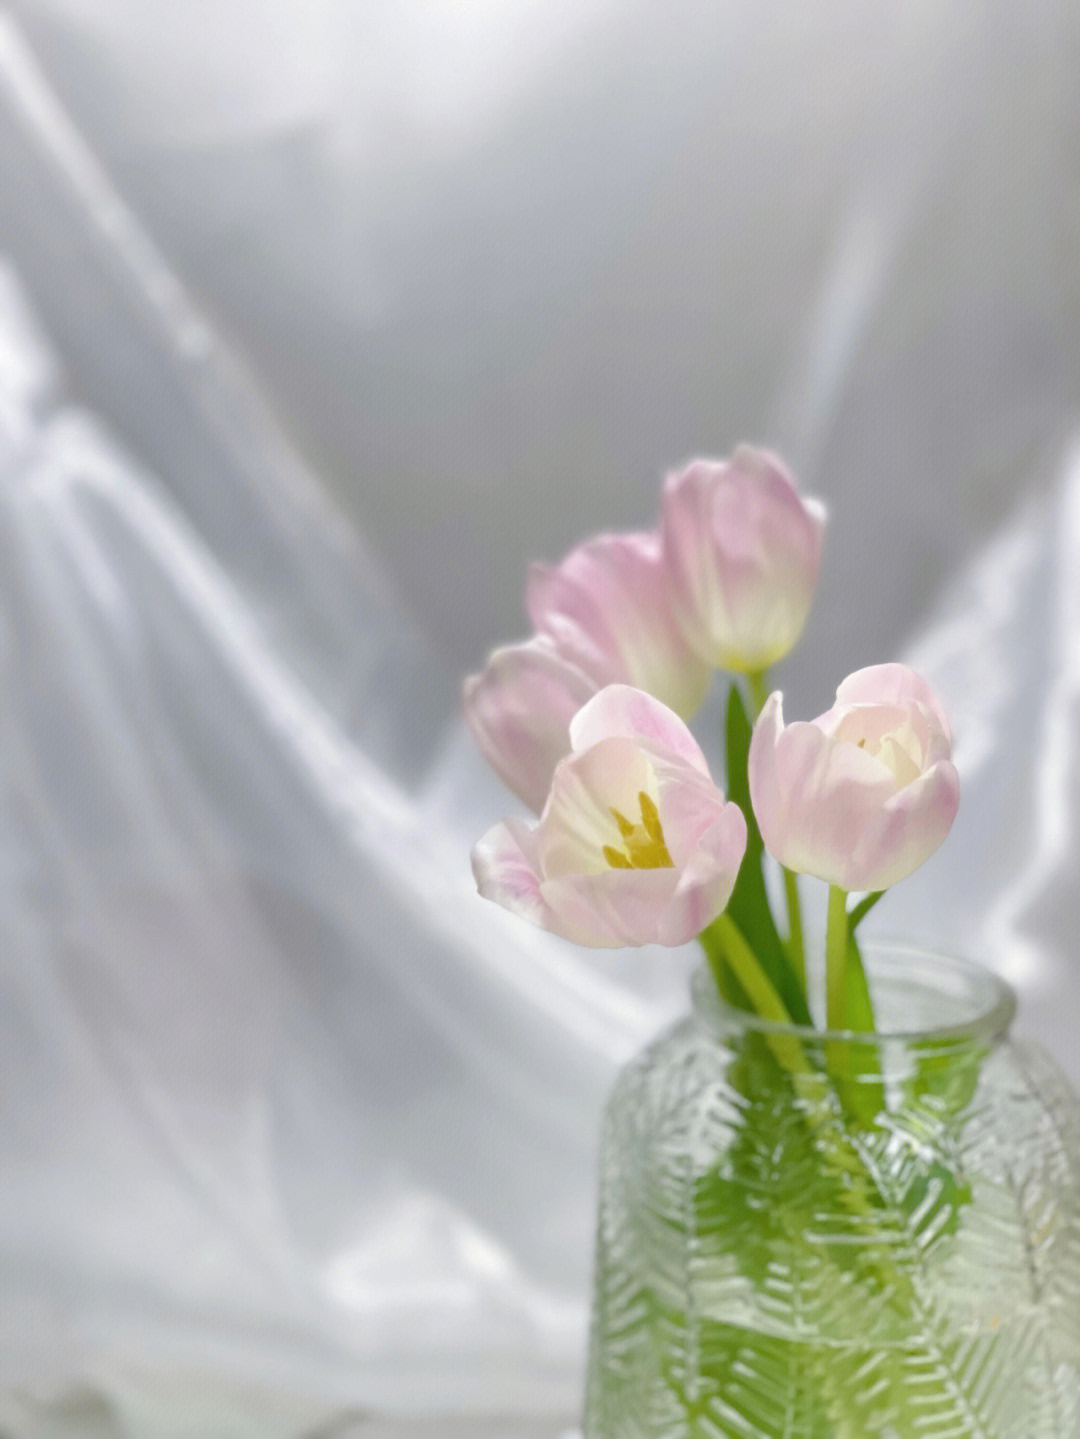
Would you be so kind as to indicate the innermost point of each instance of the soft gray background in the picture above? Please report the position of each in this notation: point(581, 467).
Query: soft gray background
point(319, 321)
point(501, 266)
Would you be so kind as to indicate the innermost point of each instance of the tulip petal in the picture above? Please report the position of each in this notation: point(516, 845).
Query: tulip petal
point(622, 710)
point(504, 865)
point(813, 823)
point(611, 908)
point(691, 807)
point(578, 817)
point(608, 608)
point(519, 710)
point(891, 684)
point(913, 825)
point(707, 879)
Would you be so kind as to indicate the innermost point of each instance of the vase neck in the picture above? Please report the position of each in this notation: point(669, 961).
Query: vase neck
point(921, 999)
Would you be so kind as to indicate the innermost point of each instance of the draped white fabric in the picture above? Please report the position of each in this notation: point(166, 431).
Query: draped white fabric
point(296, 1134)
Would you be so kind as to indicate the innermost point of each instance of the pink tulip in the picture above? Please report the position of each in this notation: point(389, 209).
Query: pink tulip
point(635, 845)
point(519, 710)
point(603, 616)
point(863, 794)
point(608, 608)
point(743, 550)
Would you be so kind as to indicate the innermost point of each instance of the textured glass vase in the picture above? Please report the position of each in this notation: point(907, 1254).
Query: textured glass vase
point(841, 1237)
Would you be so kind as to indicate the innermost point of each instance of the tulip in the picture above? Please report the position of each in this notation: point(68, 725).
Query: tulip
point(519, 710)
point(608, 607)
point(863, 794)
point(603, 616)
point(635, 845)
point(743, 549)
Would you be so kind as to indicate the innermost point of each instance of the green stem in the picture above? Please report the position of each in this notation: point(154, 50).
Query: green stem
point(724, 943)
point(747, 969)
point(796, 945)
point(836, 955)
point(759, 689)
point(749, 906)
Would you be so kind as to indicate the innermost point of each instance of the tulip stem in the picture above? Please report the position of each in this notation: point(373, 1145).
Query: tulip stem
point(796, 945)
point(837, 935)
point(747, 968)
point(724, 943)
point(759, 689)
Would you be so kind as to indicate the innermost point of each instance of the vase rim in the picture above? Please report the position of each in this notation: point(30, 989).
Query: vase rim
point(984, 1004)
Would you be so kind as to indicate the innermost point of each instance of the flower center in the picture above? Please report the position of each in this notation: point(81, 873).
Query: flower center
point(643, 845)
point(890, 739)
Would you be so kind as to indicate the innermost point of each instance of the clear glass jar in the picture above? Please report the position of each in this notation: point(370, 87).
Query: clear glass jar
point(838, 1236)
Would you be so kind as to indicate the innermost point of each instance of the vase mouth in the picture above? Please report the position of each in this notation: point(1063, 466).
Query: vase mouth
point(920, 995)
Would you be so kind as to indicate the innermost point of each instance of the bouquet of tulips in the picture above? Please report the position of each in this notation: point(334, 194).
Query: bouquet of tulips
point(635, 842)
point(809, 1223)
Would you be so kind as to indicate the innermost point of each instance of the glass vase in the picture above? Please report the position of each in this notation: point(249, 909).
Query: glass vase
point(815, 1236)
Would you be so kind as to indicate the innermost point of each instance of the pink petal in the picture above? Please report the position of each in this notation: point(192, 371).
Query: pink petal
point(505, 867)
point(913, 824)
point(519, 709)
point(891, 684)
point(707, 879)
point(691, 806)
point(577, 820)
point(611, 908)
point(815, 825)
point(620, 710)
point(812, 795)
point(608, 607)
point(828, 823)
point(768, 790)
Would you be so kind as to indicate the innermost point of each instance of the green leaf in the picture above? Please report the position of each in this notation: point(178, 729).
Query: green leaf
point(726, 982)
point(749, 902)
point(858, 1010)
point(859, 911)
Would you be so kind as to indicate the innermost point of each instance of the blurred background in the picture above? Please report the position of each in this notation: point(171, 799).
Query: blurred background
point(318, 321)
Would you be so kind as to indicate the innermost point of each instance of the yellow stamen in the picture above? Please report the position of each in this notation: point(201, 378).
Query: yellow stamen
point(644, 846)
point(626, 826)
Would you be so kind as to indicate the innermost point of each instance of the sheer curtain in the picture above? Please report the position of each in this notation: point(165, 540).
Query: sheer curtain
point(312, 331)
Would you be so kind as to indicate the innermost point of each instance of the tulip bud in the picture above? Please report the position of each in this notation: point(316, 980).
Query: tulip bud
point(743, 550)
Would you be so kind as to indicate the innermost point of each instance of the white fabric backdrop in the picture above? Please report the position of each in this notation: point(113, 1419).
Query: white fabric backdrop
point(297, 1134)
